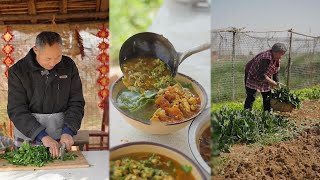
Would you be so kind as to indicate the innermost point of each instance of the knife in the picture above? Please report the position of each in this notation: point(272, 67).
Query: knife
point(62, 151)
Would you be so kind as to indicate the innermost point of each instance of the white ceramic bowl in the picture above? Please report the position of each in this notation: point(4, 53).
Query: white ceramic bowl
point(150, 147)
point(159, 128)
point(197, 127)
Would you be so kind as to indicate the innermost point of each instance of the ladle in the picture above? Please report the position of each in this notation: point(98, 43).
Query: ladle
point(152, 45)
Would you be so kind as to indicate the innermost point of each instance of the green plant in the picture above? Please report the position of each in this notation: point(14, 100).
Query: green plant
point(238, 105)
point(308, 93)
point(31, 155)
point(242, 126)
point(128, 18)
point(283, 94)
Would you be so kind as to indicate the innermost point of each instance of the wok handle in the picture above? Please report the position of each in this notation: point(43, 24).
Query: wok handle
point(202, 47)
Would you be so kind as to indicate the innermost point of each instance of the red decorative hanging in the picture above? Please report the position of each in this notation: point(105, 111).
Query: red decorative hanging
point(8, 61)
point(103, 33)
point(101, 104)
point(7, 49)
point(103, 81)
point(103, 69)
point(103, 46)
point(104, 93)
point(103, 57)
point(7, 36)
point(6, 73)
point(79, 42)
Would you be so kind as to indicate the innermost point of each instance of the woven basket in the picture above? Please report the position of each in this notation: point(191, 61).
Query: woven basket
point(281, 106)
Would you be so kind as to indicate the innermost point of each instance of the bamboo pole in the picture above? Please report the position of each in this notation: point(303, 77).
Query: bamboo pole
point(13, 13)
point(9, 6)
point(50, 16)
point(289, 59)
point(13, 10)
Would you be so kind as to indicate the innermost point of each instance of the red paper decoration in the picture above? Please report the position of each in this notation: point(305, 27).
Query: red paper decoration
point(103, 33)
point(103, 69)
point(7, 36)
point(101, 104)
point(103, 58)
point(104, 93)
point(7, 49)
point(8, 61)
point(103, 46)
point(103, 81)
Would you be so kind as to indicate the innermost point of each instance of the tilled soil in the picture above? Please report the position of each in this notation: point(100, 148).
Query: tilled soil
point(308, 114)
point(298, 158)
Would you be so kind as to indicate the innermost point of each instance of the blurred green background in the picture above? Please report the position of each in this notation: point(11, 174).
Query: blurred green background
point(128, 18)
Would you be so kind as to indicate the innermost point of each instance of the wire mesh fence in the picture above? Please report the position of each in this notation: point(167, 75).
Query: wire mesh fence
point(233, 48)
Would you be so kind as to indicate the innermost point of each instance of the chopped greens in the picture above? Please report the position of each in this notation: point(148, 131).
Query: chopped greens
point(28, 155)
point(186, 168)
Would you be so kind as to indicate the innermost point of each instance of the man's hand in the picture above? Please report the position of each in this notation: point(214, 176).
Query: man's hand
point(52, 144)
point(67, 140)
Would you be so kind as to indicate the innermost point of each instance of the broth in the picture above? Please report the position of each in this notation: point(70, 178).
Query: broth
point(146, 73)
point(139, 164)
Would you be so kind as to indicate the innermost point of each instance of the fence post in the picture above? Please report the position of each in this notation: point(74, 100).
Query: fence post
point(232, 60)
point(289, 60)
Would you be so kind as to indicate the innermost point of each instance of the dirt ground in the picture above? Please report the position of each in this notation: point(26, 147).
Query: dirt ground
point(298, 158)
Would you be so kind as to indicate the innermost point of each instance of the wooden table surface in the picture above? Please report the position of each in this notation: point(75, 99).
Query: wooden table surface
point(98, 170)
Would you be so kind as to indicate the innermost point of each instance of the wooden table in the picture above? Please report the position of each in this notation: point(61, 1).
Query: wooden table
point(98, 170)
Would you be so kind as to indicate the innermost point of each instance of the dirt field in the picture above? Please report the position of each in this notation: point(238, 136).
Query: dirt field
point(298, 158)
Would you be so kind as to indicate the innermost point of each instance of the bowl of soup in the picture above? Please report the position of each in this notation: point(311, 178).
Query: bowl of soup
point(199, 138)
point(148, 160)
point(153, 101)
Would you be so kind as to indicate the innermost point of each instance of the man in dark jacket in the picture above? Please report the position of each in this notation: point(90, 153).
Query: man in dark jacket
point(261, 74)
point(45, 98)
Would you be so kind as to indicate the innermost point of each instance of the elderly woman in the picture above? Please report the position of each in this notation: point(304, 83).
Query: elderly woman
point(261, 74)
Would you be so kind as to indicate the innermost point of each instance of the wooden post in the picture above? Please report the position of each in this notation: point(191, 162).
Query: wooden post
point(232, 61)
point(32, 10)
point(64, 6)
point(289, 59)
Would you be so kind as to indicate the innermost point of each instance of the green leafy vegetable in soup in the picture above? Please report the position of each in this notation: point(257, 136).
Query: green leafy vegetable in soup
point(146, 73)
point(137, 104)
point(149, 166)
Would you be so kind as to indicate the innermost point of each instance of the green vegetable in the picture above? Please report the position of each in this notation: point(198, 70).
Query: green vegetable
point(31, 155)
point(243, 126)
point(308, 93)
point(186, 168)
point(134, 100)
point(284, 95)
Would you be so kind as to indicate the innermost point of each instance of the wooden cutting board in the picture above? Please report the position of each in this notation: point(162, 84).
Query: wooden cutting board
point(78, 162)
